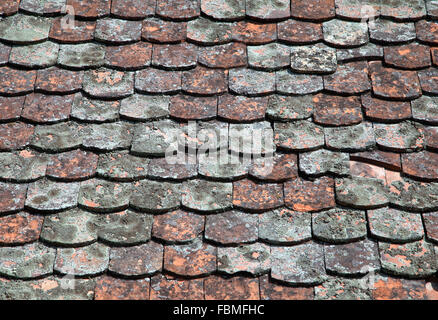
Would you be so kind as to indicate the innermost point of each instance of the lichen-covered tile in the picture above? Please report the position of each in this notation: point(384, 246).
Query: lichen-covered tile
point(241, 108)
point(81, 31)
point(276, 168)
point(172, 168)
point(307, 196)
point(315, 58)
point(299, 32)
point(268, 10)
point(207, 196)
point(357, 9)
point(101, 195)
point(11, 107)
point(22, 166)
point(72, 227)
point(272, 56)
point(369, 51)
point(223, 166)
point(194, 259)
point(334, 110)
point(29, 261)
point(94, 9)
point(425, 109)
point(72, 165)
point(254, 33)
point(231, 227)
point(400, 137)
point(45, 195)
point(284, 226)
point(385, 110)
point(302, 264)
point(393, 225)
point(345, 33)
point(47, 108)
point(92, 110)
point(21, 28)
point(158, 81)
point(178, 226)
point(107, 136)
point(251, 138)
point(313, 9)
point(165, 287)
point(431, 225)
point(59, 81)
point(156, 138)
point(142, 107)
point(235, 288)
point(432, 8)
point(288, 83)
point(390, 32)
point(15, 135)
point(361, 193)
point(223, 9)
point(383, 159)
point(403, 10)
point(106, 83)
point(124, 228)
point(174, 56)
point(204, 81)
point(431, 136)
point(82, 261)
point(9, 7)
point(13, 81)
point(352, 259)
point(109, 288)
point(429, 80)
point(41, 55)
point(58, 137)
point(336, 288)
point(273, 291)
point(225, 56)
point(130, 57)
point(388, 288)
point(192, 107)
point(163, 196)
point(426, 31)
point(208, 32)
point(351, 138)
point(349, 78)
point(322, 161)
point(163, 31)
point(251, 258)
point(133, 9)
point(213, 135)
point(255, 196)
point(282, 107)
point(178, 9)
point(20, 228)
point(140, 260)
point(410, 56)
point(423, 165)
point(339, 225)
point(412, 260)
point(412, 195)
point(251, 82)
point(361, 169)
point(117, 31)
point(298, 135)
point(81, 56)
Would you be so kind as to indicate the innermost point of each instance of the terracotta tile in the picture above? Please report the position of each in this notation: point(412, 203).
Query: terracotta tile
point(203, 81)
point(81, 31)
point(158, 81)
point(12, 197)
point(236, 288)
point(178, 226)
point(45, 108)
point(178, 9)
point(59, 80)
point(313, 9)
point(231, 227)
point(174, 56)
point(337, 110)
point(299, 32)
point(258, 197)
point(164, 287)
point(384, 110)
point(133, 9)
point(350, 78)
point(427, 31)
point(15, 135)
point(191, 108)
point(20, 228)
point(109, 288)
point(95, 9)
point(156, 30)
point(134, 56)
point(254, 33)
point(72, 165)
point(411, 56)
point(15, 81)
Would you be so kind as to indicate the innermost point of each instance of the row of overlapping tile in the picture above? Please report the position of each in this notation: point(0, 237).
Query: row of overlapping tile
point(91, 208)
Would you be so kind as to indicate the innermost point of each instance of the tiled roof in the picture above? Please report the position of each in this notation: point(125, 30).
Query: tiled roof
point(92, 205)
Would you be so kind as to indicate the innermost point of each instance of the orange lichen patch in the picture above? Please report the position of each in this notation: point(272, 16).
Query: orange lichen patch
point(250, 195)
point(178, 226)
point(386, 288)
point(20, 228)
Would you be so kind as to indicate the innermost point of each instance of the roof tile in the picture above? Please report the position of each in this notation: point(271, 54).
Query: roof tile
point(223, 166)
point(298, 135)
point(271, 56)
point(431, 226)
point(241, 108)
point(207, 196)
point(95, 9)
point(156, 30)
point(20, 228)
point(273, 291)
point(410, 56)
point(257, 197)
point(254, 33)
point(297, 84)
point(109, 288)
point(251, 258)
point(9, 7)
point(390, 32)
point(178, 9)
point(299, 32)
point(92, 110)
point(425, 109)
point(353, 9)
point(164, 287)
point(383, 159)
point(21, 28)
point(133, 9)
point(268, 10)
point(117, 30)
point(142, 107)
point(352, 138)
point(22, 166)
point(350, 78)
point(322, 161)
point(345, 33)
point(306, 196)
point(423, 165)
point(290, 107)
point(337, 110)
point(400, 137)
point(60, 81)
point(426, 31)
point(80, 56)
point(235, 288)
point(388, 288)
point(13, 81)
point(40, 55)
point(178, 226)
point(136, 261)
point(385, 110)
point(193, 259)
point(204, 81)
point(251, 82)
point(315, 58)
point(170, 168)
point(72, 165)
point(362, 193)
point(174, 56)
point(403, 10)
point(369, 51)
point(47, 108)
point(81, 31)
point(223, 9)
point(58, 137)
point(313, 9)
point(343, 289)
point(43, 6)
point(195, 108)
point(15, 135)
point(107, 136)
point(208, 32)
point(279, 167)
point(163, 196)
point(11, 107)
point(157, 81)
point(231, 227)
point(429, 80)
point(412, 195)
point(131, 56)
point(101, 196)
point(227, 56)
point(106, 83)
